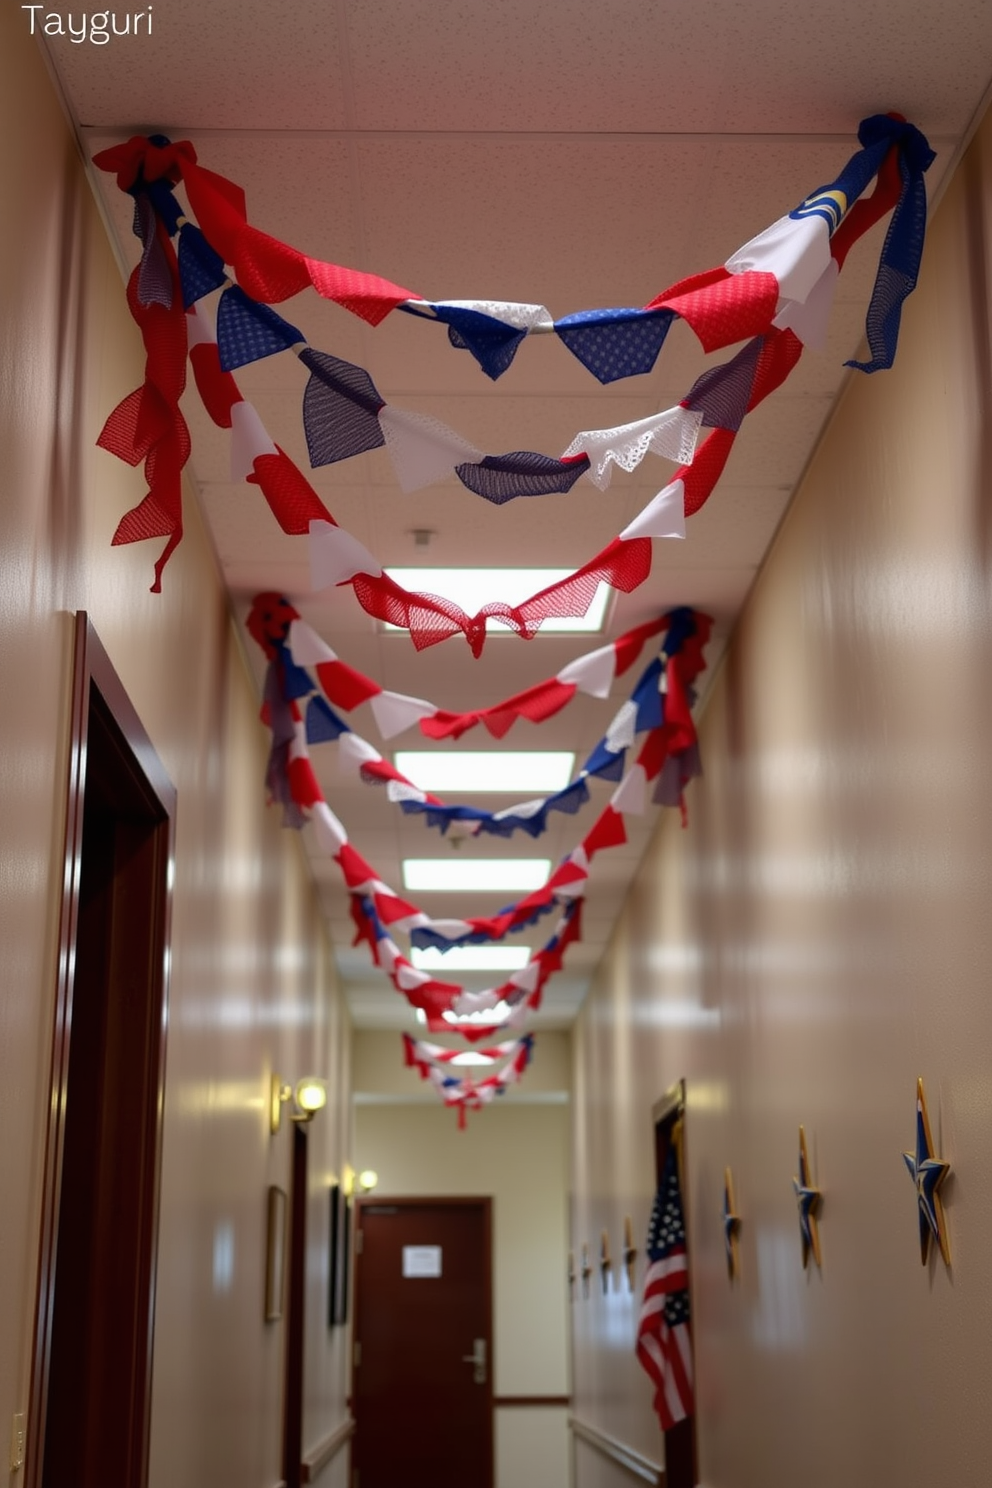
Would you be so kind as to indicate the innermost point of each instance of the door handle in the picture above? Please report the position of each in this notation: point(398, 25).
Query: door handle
point(477, 1358)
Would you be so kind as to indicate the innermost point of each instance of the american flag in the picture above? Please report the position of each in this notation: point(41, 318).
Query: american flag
point(664, 1345)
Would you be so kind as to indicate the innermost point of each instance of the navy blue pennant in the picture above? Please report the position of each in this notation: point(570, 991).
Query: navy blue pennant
point(201, 269)
point(502, 478)
point(248, 331)
point(340, 409)
point(612, 344)
point(722, 393)
point(323, 725)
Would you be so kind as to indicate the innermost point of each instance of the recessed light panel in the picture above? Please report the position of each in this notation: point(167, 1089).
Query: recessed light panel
point(471, 958)
point(519, 771)
point(481, 875)
point(473, 587)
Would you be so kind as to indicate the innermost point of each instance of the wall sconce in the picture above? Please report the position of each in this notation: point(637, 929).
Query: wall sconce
point(368, 1178)
point(309, 1097)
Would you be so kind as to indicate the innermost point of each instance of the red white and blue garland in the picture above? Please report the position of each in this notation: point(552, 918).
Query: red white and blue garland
point(774, 294)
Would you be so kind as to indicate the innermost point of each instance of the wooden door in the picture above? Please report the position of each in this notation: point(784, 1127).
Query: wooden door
point(423, 1344)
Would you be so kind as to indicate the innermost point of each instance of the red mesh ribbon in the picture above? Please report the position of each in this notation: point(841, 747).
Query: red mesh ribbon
point(148, 425)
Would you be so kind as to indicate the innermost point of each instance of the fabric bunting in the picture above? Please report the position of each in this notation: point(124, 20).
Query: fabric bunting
point(662, 697)
point(447, 1007)
point(467, 1093)
point(611, 343)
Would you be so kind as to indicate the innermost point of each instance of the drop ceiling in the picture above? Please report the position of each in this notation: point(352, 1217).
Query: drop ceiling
point(569, 154)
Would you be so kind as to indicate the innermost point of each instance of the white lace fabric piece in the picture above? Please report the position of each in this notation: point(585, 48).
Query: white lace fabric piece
point(422, 449)
point(511, 312)
point(671, 434)
point(398, 790)
point(523, 809)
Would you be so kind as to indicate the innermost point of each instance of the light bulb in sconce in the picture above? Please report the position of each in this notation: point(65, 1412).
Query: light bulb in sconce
point(309, 1097)
point(368, 1178)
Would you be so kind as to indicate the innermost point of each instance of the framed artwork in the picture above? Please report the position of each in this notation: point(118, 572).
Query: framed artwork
point(339, 1258)
point(275, 1255)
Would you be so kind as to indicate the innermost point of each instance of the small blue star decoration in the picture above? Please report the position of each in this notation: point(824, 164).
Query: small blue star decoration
point(808, 1199)
point(731, 1225)
point(928, 1173)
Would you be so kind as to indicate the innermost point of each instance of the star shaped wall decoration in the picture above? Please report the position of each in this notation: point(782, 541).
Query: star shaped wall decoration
point(731, 1225)
point(808, 1199)
point(928, 1173)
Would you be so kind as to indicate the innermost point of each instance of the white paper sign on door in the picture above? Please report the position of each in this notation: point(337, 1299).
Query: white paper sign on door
point(421, 1260)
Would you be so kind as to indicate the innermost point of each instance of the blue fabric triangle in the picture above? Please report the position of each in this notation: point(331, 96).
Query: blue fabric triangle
point(201, 270)
point(604, 763)
point(492, 342)
point(248, 331)
point(648, 700)
point(623, 342)
point(722, 393)
point(502, 478)
point(340, 409)
point(323, 725)
point(296, 682)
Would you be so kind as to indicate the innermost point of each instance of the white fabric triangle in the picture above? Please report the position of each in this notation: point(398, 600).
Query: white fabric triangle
point(449, 929)
point(631, 795)
point(336, 556)
point(510, 312)
point(664, 515)
point(398, 790)
point(394, 711)
point(476, 1002)
point(409, 977)
point(672, 434)
point(249, 439)
point(526, 977)
point(795, 249)
point(620, 734)
point(330, 834)
point(593, 673)
point(354, 752)
point(306, 647)
point(809, 321)
point(524, 809)
point(199, 327)
point(422, 449)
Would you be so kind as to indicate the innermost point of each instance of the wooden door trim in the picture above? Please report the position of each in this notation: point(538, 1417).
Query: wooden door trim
point(91, 667)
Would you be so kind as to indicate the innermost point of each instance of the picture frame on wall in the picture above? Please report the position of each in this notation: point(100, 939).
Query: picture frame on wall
point(275, 1254)
point(339, 1257)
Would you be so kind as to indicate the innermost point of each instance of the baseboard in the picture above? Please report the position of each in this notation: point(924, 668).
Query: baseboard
point(319, 1456)
point(626, 1457)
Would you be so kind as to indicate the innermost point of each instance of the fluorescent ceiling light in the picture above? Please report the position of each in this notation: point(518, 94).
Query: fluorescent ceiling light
point(518, 771)
point(471, 958)
point(473, 587)
point(498, 875)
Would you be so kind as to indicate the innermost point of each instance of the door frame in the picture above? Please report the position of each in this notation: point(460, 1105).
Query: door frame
point(92, 670)
point(440, 1201)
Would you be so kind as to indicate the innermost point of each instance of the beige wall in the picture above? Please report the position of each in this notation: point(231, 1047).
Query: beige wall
point(516, 1151)
point(252, 980)
point(819, 938)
